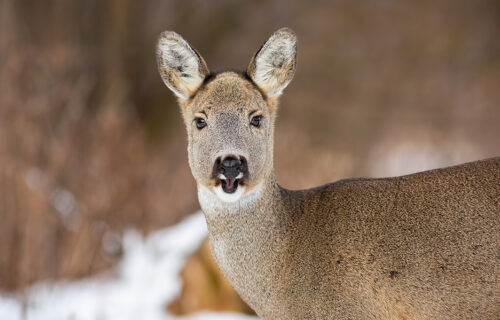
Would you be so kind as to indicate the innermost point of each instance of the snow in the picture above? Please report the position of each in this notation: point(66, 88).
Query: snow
point(143, 283)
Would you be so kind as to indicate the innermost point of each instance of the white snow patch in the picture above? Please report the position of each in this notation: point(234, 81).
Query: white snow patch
point(140, 287)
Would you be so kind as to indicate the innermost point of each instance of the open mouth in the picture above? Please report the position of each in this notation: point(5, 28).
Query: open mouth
point(229, 185)
point(230, 173)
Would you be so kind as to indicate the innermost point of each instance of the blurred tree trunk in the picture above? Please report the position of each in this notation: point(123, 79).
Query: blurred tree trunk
point(205, 288)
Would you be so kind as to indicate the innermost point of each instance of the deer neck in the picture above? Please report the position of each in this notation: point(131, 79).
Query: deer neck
point(248, 237)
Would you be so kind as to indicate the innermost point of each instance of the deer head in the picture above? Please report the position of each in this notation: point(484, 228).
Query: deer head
point(229, 116)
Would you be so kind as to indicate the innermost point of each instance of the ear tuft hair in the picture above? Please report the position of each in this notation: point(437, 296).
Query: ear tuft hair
point(273, 66)
point(181, 67)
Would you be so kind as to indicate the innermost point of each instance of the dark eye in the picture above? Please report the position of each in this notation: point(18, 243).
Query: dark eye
point(256, 121)
point(200, 123)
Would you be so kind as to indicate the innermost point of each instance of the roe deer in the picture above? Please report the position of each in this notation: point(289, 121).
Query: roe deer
point(421, 246)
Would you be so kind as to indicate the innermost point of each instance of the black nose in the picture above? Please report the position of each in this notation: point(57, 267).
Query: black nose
point(232, 166)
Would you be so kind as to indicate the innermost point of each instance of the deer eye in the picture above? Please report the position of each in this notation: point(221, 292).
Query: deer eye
point(200, 123)
point(256, 121)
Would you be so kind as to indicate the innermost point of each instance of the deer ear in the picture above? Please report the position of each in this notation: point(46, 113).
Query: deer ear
point(273, 66)
point(181, 67)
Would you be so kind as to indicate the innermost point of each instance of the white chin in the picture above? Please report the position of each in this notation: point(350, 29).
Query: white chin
point(229, 197)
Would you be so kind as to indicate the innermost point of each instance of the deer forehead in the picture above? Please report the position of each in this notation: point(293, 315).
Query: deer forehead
point(227, 91)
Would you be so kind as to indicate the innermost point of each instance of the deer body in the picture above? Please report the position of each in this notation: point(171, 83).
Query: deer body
point(354, 249)
point(422, 246)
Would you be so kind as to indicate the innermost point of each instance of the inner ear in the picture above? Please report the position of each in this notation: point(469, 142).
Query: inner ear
point(181, 67)
point(273, 66)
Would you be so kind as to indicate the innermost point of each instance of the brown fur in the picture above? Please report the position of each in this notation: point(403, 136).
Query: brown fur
point(422, 246)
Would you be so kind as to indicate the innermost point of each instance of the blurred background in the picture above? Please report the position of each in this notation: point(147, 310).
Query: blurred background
point(92, 143)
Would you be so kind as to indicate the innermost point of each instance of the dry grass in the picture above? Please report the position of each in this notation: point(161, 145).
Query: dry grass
point(76, 169)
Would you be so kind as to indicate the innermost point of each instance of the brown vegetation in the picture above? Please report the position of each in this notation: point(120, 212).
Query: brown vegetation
point(205, 288)
point(76, 165)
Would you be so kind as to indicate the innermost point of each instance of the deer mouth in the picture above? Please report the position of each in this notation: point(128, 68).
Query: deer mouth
point(229, 185)
point(230, 174)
